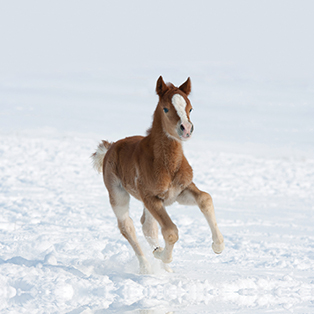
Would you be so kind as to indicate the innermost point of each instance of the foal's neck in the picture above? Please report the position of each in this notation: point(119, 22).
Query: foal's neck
point(168, 152)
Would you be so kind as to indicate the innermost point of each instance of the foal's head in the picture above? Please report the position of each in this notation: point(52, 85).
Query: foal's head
point(174, 109)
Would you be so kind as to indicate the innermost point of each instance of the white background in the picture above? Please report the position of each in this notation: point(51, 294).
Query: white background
point(75, 72)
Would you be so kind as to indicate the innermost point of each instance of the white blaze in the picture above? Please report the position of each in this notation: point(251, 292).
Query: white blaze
point(179, 104)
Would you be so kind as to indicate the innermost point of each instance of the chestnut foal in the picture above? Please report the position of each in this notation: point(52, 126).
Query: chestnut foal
point(154, 170)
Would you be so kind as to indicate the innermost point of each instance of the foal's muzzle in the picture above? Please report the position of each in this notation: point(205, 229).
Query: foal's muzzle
point(186, 130)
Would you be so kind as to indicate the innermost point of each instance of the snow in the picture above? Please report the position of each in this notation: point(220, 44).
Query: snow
point(61, 250)
point(252, 150)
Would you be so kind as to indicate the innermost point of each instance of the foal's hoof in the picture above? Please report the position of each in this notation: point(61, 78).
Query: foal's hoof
point(160, 254)
point(167, 268)
point(218, 247)
point(146, 269)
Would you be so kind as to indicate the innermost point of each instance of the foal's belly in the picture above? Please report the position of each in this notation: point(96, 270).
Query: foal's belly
point(132, 191)
point(170, 196)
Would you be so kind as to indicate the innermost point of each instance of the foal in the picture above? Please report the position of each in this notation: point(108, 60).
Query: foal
point(154, 170)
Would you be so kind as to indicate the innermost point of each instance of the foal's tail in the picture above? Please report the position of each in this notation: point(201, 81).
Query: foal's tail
point(99, 155)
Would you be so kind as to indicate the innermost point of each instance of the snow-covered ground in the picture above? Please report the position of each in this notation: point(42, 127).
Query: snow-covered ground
point(61, 250)
point(252, 150)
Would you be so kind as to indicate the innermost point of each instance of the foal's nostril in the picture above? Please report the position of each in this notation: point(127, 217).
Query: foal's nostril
point(182, 127)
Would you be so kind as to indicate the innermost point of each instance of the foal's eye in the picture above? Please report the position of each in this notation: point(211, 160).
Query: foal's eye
point(191, 109)
point(166, 110)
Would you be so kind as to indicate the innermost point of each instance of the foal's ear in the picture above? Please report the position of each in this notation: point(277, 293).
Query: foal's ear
point(186, 87)
point(161, 87)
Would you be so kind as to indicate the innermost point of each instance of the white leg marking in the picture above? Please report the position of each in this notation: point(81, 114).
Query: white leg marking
point(145, 267)
point(164, 254)
point(121, 209)
point(205, 203)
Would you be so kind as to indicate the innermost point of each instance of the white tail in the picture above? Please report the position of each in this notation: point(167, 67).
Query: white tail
point(99, 155)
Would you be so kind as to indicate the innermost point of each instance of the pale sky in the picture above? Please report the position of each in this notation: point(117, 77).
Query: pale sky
point(266, 38)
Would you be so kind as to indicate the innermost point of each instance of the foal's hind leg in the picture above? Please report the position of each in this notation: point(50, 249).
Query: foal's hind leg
point(193, 196)
point(119, 200)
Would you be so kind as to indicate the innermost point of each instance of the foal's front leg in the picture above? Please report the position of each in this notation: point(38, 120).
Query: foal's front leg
point(150, 228)
point(168, 229)
point(193, 196)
